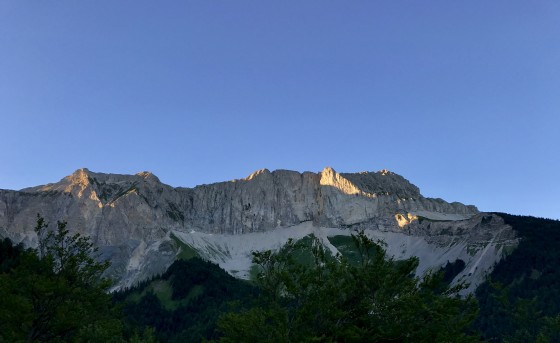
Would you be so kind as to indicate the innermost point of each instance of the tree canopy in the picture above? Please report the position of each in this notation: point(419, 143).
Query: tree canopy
point(367, 298)
point(184, 304)
point(56, 293)
point(520, 302)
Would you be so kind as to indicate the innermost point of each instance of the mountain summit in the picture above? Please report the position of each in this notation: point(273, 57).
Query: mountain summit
point(140, 223)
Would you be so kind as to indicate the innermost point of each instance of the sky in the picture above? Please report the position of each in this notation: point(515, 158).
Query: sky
point(462, 98)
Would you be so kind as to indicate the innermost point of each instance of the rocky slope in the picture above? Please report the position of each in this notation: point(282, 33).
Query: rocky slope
point(140, 223)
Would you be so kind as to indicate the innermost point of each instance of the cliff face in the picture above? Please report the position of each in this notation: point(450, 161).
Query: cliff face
point(266, 200)
point(130, 217)
point(115, 208)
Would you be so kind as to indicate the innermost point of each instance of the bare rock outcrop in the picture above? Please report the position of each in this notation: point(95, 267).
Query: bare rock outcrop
point(130, 217)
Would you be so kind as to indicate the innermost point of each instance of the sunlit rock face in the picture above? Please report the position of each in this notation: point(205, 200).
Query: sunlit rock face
point(130, 217)
point(266, 200)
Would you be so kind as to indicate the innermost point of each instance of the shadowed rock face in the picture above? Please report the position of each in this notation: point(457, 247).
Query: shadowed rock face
point(130, 216)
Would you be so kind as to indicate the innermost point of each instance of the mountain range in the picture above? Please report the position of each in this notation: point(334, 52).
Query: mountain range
point(141, 224)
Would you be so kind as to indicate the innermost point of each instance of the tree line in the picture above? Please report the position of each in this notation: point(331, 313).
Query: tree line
point(301, 293)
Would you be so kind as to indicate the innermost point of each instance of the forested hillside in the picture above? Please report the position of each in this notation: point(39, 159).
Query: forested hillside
point(55, 293)
point(184, 304)
point(521, 300)
point(304, 294)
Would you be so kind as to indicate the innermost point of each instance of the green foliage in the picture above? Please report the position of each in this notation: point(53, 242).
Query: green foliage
point(9, 255)
point(345, 245)
point(70, 257)
point(56, 294)
point(186, 251)
point(452, 269)
point(521, 300)
point(372, 298)
point(183, 304)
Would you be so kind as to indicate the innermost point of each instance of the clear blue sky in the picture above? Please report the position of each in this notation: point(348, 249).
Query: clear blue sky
point(460, 97)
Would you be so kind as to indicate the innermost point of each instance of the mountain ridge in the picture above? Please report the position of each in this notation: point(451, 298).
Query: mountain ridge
point(132, 217)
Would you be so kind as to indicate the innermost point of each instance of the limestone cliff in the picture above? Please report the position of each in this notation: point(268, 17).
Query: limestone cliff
point(130, 217)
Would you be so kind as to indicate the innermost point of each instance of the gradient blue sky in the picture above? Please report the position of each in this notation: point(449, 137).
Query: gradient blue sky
point(460, 97)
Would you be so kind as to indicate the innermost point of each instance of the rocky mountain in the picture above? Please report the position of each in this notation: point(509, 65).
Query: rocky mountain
point(141, 224)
